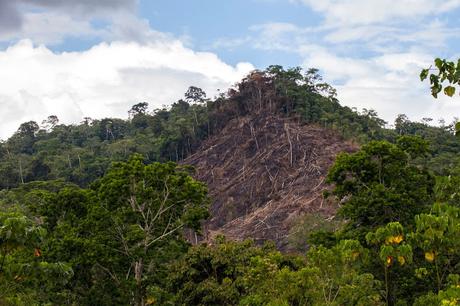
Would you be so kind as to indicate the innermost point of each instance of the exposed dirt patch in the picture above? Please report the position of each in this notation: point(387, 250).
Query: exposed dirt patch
point(263, 173)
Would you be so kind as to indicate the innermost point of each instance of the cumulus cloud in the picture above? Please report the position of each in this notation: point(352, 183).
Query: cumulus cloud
point(373, 51)
point(355, 12)
point(51, 28)
point(388, 83)
point(282, 36)
point(103, 81)
point(381, 24)
point(51, 21)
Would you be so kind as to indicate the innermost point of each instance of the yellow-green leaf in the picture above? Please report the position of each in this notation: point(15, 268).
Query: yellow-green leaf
point(449, 90)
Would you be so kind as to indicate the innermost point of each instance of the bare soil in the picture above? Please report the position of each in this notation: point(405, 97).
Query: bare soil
point(263, 173)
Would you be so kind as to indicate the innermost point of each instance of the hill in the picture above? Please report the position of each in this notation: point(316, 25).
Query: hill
point(94, 213)
point(264, 147)
point(263, 173)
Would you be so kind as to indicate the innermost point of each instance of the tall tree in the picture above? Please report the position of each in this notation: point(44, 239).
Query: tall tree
point(195, 95)
point(138, 109)
point(378, 184)
point(148, 206)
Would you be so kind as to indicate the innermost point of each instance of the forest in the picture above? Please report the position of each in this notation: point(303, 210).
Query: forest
point(101, 212)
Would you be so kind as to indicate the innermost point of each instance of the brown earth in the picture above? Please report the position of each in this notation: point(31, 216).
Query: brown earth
point(263, 173)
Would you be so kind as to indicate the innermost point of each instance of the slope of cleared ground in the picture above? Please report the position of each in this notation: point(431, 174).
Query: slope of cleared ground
point(263, 172)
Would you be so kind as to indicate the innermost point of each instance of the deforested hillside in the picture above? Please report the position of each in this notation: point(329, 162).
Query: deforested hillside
point(81, 153)
point(263, 172)
point(263, 147)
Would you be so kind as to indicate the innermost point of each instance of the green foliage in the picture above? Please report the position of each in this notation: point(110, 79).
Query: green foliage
point(392, 250)
point(415, 146)
point(446, 71)
point(448, 189)
point(437, 236)
point(24, 275)
point(95, 213)
point(82, 153)
point(315, 229)
point(448, 297)
point(230, 273)
point(215, 275)
point(147, 205)
point(378, 185)
point(335, 277)
point(117, 236)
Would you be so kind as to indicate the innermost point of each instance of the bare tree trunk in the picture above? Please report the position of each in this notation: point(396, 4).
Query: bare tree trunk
point(138, 294)
point(286, 128)
point(259, 91)
point(251, 127)
point(20, 172)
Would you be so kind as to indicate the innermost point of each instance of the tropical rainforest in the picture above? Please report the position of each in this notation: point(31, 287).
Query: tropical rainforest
point(102, 212)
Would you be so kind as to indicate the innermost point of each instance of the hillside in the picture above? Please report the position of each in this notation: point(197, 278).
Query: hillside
point(263, 148)
point(263, 172)
point(81, 153)
point(98, 209)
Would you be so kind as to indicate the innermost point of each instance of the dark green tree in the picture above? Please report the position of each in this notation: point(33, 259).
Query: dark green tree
point(139, 109)
point(378, 185)
point(195, 95)
point(25, 277)
point(147, 206)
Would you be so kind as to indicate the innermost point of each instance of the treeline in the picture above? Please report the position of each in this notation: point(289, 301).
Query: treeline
point(82, 152)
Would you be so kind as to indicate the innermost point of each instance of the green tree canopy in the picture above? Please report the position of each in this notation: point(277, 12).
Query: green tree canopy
point(378, 184)
point(147, 206)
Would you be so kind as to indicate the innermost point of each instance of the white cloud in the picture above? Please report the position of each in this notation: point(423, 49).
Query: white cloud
point(355, 12)
point(83, 7)
point(385, 25)
point(373, 52)
point(51, 28)
point(387, 83)
point(52, 21)
point(12, 11)
point(103, 81)
point(281, 36)
point(361, 33)
point(231, 43)
point(101, 23)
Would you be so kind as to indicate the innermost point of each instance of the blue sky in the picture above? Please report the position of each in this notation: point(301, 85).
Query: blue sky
point(211, 22)
point(97, 58)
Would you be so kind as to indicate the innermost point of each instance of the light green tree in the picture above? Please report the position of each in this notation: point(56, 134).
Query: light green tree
point(392, 249)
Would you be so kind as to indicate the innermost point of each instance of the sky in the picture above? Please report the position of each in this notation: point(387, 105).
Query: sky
point(87, 58)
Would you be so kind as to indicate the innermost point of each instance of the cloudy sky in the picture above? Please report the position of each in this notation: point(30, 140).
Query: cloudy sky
point(97, 58)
